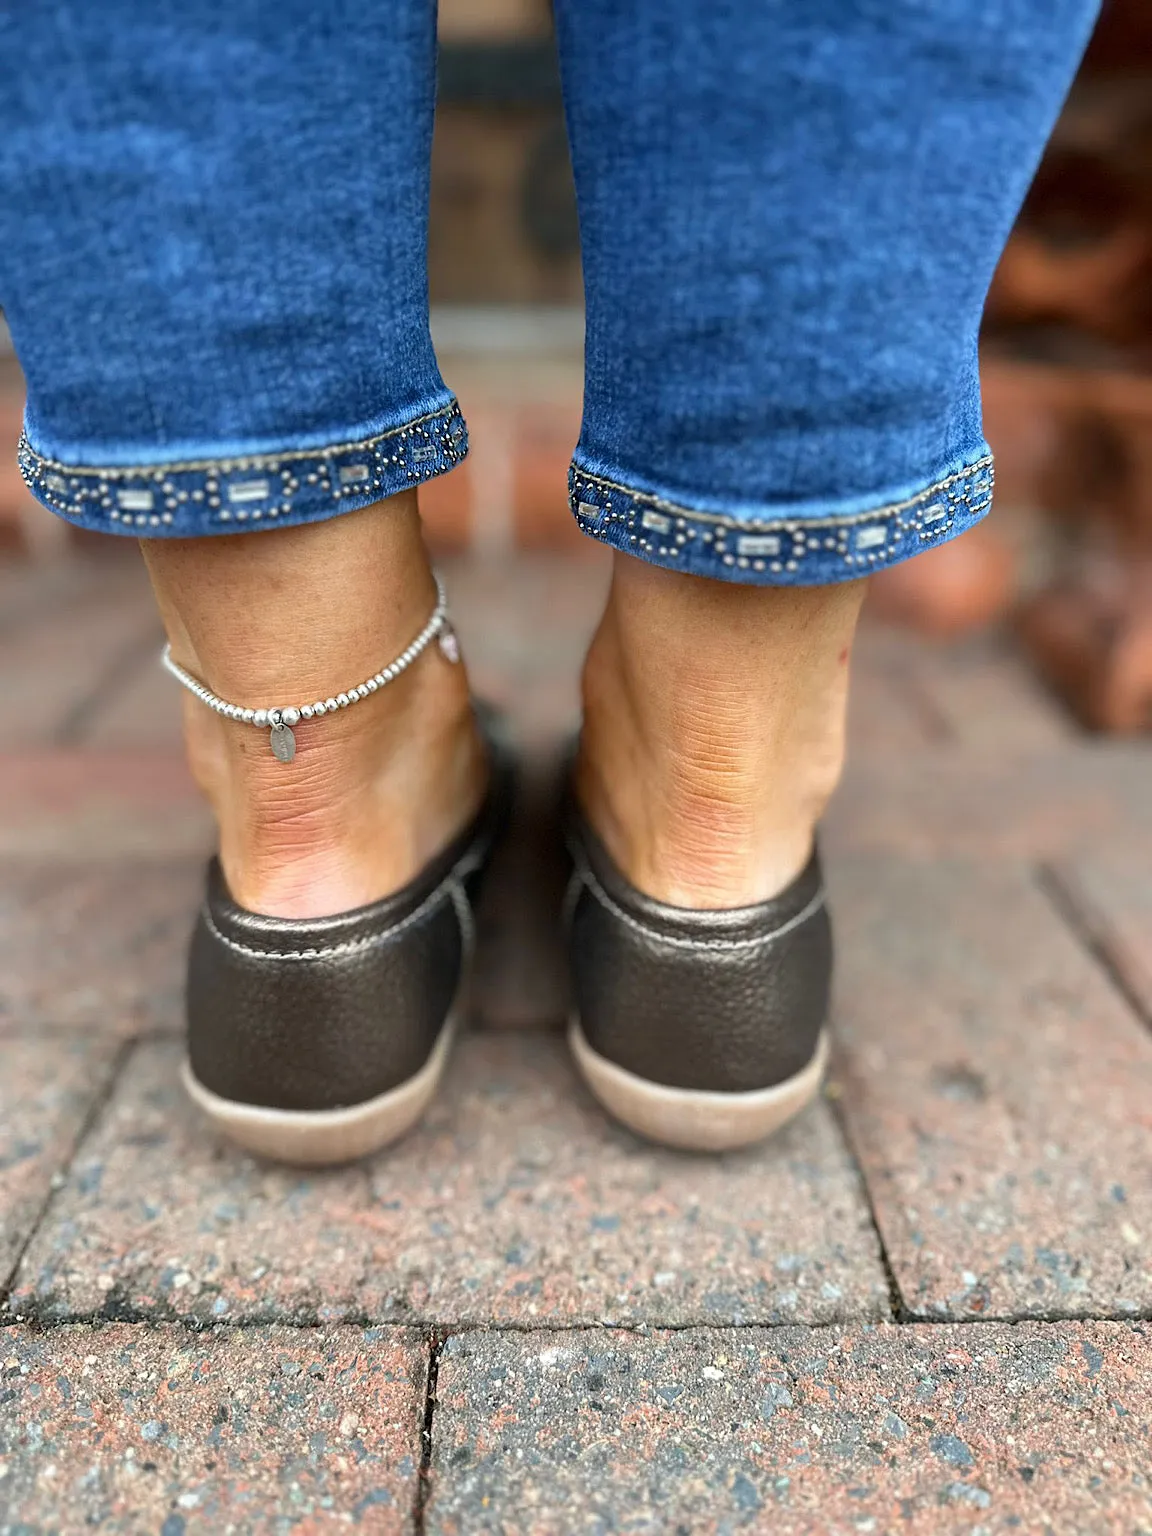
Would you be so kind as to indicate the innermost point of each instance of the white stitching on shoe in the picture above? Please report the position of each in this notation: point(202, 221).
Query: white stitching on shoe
point(445, 891)
point(571, 897)
point(585, 873)
point(465, 918)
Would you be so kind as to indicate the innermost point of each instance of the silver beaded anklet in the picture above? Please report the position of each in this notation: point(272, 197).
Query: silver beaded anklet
point(280, 720)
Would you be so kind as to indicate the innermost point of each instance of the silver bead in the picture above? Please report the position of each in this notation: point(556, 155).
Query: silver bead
point(371, 685)
point(306, 712)
point(290, 716)
point(249, 716)
point(342, 700)
point(319, 708)
point(330, 705)
point(362, 691)
point(260, 717)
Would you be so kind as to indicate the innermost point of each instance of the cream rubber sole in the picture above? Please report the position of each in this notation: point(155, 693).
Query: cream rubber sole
point(695, 1120)
point(318, 1137)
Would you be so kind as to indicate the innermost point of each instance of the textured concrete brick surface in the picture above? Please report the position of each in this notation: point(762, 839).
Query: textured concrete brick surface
point(517, 1201)
point(137, 1429)
point(883, 714)
point(1110, 891)
point(47, 1087)
point(28, 590)
point(926, 1430)
point(977, 691)
point(68, 805)
point(997, 1091)
point(100, 945)
point(525, 623)
point(1038, 804)
point(144, 710)
point(52, 664)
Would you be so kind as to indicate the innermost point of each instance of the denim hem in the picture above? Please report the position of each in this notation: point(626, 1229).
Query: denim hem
point(206, 496)
point(788, 549)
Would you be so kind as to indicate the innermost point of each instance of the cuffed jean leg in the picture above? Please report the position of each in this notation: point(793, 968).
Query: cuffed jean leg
point(790, 214)
point(212, 258)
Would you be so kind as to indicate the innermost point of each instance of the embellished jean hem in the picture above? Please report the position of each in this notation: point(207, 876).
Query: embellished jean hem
point(784, 549)
point(235, 493)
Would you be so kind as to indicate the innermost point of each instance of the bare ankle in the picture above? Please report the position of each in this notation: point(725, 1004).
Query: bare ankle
point(372, 795)
point(713, 733)
point(373, 792)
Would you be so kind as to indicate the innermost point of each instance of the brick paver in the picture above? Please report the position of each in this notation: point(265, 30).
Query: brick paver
point(132, 1429)
point(99, 945)
point(926, 1430)
point(884, 714)
point(990, 871)
point(977, 691)
point(144, 712)
point(942, 801)
point(66, 806)
point(1110, 891)
point(48, 1085)
point(62, 655)
point(997, 1090)
point(525, 623)
point(516, 1202)
point(29, 591)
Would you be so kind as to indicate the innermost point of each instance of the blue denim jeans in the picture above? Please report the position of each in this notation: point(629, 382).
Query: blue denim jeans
point(212, 261)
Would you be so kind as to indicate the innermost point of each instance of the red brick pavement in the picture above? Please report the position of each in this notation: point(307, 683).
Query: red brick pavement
point(982, 1154)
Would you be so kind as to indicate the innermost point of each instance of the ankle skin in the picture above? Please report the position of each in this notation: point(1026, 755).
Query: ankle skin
point(365, 805)
point(713, 731)
point(373, 792)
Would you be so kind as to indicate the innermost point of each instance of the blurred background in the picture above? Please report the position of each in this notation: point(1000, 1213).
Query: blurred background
point(1062, 576)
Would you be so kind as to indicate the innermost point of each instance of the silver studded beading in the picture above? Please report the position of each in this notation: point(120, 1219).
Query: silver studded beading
point(280, 720)
point(790, 549)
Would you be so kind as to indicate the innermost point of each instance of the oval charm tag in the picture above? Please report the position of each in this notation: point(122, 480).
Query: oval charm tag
point(449, 644)
point(283, 743)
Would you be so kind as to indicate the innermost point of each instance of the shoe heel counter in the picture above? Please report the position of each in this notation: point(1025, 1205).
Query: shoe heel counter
point(710, 1014)
point(310, 1031)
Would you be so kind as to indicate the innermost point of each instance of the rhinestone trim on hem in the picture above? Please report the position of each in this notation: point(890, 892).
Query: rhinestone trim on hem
point(778, 551)
point(223, 495)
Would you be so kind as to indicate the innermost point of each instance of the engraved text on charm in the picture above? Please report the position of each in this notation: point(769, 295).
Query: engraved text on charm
point(281, 737)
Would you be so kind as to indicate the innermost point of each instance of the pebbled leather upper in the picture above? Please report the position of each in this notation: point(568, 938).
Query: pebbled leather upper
point(725, 1001)
point(330, 1012)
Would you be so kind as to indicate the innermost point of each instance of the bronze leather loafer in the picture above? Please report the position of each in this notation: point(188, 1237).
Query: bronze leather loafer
point(699, 1029)
point(319, 1041)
